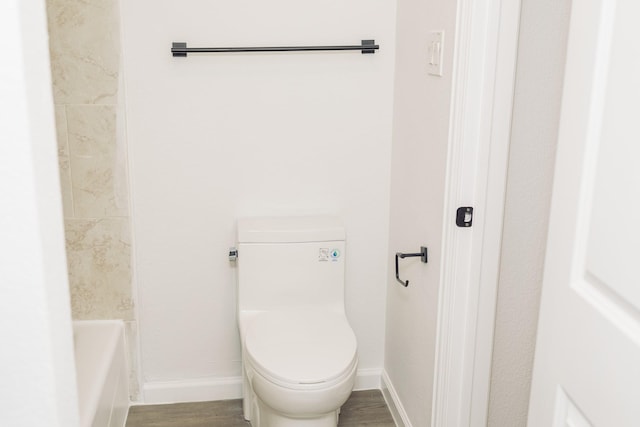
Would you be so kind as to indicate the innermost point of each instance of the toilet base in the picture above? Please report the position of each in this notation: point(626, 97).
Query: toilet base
point(267, 417)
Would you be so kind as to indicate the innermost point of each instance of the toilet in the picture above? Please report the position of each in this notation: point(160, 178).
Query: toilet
point(299, 352)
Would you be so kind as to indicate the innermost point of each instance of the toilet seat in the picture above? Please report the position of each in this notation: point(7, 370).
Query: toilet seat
point(301, 350)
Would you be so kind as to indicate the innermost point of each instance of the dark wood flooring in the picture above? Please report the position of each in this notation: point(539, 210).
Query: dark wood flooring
point(364, 408)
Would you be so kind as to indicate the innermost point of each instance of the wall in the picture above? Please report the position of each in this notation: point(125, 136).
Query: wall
point(36, 361)
point(420, 137)
point(539, 76)
point(217, 137)
point(88, 91)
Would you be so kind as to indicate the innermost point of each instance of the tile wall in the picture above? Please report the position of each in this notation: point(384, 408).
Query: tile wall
point(86, 68)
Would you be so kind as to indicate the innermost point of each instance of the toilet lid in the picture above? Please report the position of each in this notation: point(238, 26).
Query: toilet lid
point(301, 347)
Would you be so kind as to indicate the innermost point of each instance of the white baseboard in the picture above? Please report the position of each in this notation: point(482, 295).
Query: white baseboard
point(393, 402)
point(197, 390)
point(207, 389)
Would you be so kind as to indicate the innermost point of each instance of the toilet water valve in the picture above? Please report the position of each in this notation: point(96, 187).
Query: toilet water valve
point(233, 254)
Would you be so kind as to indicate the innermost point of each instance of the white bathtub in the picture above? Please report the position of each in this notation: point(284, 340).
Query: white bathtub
point(103, 390)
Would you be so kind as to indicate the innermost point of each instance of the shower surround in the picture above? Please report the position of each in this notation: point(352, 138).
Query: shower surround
point(85, 47)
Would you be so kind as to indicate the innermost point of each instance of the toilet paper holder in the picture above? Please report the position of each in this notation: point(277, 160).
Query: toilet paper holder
point(423, 258)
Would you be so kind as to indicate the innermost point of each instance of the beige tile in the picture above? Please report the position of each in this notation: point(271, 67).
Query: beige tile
point(99, 262)
point(63, 160)
point(131, 334)
point(98, 165)
point(84, 45)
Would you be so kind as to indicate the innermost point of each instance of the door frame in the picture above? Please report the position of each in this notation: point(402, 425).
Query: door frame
point(479, 136)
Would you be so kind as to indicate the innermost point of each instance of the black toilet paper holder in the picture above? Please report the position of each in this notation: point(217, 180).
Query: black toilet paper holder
point(423, 258)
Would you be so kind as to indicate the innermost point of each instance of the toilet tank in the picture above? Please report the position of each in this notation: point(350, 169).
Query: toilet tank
point(290, 263)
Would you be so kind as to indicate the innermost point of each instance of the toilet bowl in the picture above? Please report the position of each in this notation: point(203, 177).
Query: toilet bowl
point(299, 352)
point(301, 367)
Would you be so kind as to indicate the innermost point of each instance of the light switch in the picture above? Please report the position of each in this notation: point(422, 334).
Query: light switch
point(435, 50)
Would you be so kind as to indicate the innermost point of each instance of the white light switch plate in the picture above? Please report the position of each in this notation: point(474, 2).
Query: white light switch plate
point(435, 51)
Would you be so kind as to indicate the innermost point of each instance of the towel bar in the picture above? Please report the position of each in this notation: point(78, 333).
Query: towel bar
point(180, 49)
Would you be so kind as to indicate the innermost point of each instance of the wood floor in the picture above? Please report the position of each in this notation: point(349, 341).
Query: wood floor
point(364, 408)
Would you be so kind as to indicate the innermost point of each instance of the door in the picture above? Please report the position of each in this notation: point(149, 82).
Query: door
point(587, 363)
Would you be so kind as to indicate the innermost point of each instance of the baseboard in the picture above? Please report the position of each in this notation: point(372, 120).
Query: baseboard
point(207, 389)
point(198, 390)
point(393, 402)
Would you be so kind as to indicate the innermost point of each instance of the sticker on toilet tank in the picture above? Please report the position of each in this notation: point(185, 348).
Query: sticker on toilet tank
point(326, 254)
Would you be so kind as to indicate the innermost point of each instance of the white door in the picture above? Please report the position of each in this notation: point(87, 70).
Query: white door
point(587, 363)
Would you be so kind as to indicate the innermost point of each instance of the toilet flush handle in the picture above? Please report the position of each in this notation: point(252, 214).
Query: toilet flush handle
point(233, 254)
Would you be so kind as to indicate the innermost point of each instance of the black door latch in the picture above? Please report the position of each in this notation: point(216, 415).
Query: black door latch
point(464, 216)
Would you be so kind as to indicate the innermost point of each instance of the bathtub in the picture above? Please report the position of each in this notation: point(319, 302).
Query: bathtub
point(101, 368)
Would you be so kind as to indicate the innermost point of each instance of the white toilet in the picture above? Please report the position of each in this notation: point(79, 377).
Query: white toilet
point(299, 352)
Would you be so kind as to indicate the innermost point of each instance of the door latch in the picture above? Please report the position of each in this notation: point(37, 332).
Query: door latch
point(464, 216)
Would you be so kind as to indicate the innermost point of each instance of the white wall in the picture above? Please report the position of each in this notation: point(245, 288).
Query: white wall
point(420, 136)
point(36, 361)
point(216, 137)
point(540, 70)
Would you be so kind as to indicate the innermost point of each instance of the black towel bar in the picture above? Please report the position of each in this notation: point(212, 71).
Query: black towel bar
point(180, 49)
